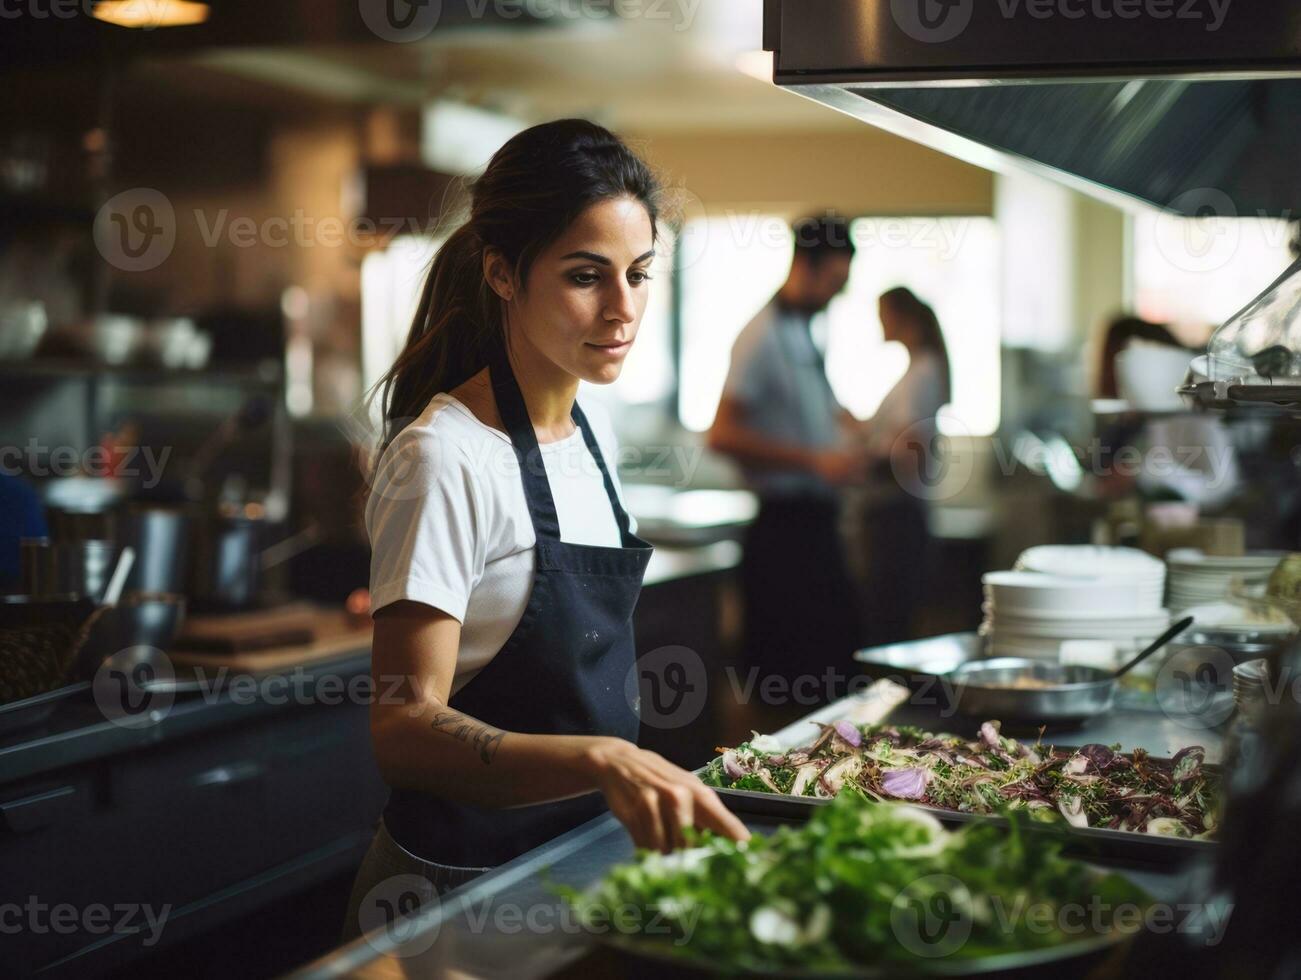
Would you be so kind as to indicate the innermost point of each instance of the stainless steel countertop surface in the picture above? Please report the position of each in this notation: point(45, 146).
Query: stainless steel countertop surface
point(508, 924)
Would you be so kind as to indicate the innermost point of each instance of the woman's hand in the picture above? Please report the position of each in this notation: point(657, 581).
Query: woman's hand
point(840, 467)
point(655, 799)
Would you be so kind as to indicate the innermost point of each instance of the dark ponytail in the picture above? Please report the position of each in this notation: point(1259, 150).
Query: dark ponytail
point(534, 187)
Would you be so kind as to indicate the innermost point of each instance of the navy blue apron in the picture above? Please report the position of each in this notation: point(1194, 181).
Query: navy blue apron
point(561, 672)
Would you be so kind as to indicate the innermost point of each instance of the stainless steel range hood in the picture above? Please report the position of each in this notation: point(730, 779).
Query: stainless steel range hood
point(1191, 105)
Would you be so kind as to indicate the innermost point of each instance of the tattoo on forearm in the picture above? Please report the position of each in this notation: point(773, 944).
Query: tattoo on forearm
point(483, 737)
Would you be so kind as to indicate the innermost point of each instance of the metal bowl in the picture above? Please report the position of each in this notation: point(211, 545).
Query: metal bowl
point(138, 620)
point(1062, 694)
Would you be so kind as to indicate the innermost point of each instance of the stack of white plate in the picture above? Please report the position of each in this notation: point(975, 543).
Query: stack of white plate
point(1144, 573)
point(1197, 578)
point(1031, 614)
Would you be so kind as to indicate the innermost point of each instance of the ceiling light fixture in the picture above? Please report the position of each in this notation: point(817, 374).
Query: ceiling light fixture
point(148, 14)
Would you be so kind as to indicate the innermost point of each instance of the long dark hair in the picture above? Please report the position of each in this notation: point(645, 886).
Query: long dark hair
point(929, 335)
point(534, 187)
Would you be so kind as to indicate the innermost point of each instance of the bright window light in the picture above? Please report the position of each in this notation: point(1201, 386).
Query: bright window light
point(953, 264)
point(1196, 273)
point(391, 282)
point(733, 265)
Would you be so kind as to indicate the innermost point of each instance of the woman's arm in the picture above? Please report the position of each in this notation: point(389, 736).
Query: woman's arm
point(731, 436)
point(421, 743)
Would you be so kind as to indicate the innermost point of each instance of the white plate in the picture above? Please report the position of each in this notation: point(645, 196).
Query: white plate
point(990, 606)
point(1036, 592)
point(1194, 559)
point(1090, 561)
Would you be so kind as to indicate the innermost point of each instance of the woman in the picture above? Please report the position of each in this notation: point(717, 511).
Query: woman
point(1183, 456)
point(504, 570)
point(902, 445)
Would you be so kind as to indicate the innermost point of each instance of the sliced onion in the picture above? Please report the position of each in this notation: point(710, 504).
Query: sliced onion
point(1073, 811)
point(803, 777)
point(906, 784)
point(989, 735)
point(836, 776)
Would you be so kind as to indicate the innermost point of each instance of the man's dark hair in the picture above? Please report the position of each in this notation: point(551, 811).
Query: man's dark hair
point(818, 238)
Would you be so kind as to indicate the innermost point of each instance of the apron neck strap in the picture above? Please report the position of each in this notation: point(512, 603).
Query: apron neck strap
point(515, 416)
point(537, 489)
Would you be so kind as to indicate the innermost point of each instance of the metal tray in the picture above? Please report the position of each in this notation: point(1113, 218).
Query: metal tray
point(1115, 845)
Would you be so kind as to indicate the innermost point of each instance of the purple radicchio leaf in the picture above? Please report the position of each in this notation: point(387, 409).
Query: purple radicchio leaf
point(906, 784)
point(849, 733)
point(1099, 756)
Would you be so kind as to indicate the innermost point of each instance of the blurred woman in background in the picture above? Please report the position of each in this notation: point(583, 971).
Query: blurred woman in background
point(1186, 456)
point(902, 441)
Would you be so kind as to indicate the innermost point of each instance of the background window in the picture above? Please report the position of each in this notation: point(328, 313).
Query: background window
point(1196, 273)
point(732, 266)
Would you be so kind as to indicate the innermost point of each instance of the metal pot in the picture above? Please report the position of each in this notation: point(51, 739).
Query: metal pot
point(138, 620)
point(61, 568)
point(226, 570)
point(159, 536)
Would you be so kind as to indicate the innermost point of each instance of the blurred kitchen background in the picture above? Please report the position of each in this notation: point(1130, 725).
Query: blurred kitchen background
point(213, 228)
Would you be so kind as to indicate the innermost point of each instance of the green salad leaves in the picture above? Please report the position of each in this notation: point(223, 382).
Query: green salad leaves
point(860, 883)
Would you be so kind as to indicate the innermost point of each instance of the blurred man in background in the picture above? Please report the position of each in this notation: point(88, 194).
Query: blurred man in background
point(781, 423)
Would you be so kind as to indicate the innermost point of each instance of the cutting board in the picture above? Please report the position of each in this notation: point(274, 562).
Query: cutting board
point(332, 634)
point(291, 624)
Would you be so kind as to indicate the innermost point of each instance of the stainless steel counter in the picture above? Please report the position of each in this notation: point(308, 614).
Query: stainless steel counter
point(508, 924)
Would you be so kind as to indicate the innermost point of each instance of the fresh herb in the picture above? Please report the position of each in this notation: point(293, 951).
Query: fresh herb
point(859, 883)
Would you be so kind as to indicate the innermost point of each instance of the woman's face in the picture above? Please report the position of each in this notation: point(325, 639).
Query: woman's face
point(587, 292)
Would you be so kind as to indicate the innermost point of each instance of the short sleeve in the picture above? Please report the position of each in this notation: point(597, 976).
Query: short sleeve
point(748, 373)
point(424, 520)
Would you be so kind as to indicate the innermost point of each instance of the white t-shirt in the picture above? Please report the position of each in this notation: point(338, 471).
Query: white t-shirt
point(449, 525)
point(912, 404)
